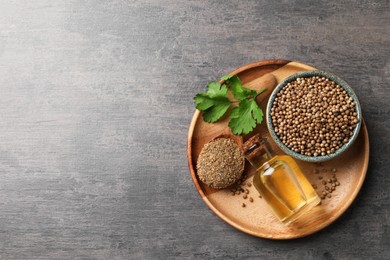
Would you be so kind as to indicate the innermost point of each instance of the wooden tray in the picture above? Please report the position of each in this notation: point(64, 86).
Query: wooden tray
point(256, 218)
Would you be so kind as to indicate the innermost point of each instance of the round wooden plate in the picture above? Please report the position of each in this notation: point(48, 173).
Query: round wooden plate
point(256, 218)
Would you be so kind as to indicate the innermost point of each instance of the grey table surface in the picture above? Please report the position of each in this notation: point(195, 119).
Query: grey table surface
point(95, 105)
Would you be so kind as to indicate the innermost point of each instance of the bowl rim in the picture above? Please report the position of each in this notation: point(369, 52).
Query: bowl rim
point(338, 81)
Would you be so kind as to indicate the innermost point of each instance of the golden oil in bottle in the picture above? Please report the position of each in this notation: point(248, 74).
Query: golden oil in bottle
point(280, 181)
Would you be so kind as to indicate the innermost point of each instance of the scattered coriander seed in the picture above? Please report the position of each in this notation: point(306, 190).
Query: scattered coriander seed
point(249, 184)
point(337, 183)
point(329, 195)
point(251, 199)
point(334, 170)
point(238, 192)
point(320, 177)
point(260, 196)
point(243, 205)
point(324, 182)
point(245, 196)
point(246, 191)
point(314, 186)
point(316, 171)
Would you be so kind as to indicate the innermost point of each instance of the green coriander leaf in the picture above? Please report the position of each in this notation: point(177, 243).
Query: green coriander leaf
point(226, 77)
point(214, 103)
point(215, 112)
point(214, 89)
point(203, 101)
point(243, 119)
point(233, 80)
point(239, 91)
point(248, 92)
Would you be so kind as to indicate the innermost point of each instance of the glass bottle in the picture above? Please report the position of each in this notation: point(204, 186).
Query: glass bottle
point(280, 181)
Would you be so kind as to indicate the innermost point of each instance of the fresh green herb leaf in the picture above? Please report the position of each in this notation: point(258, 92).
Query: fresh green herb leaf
point(214, 113)
point(215, 103)
point(238, 90)
point(243, 119)
point(214, 89)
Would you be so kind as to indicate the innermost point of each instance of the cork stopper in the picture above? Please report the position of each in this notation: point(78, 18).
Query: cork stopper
point(257, 150)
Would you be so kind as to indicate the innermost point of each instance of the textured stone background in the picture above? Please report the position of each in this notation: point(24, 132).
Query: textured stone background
point(95, 104)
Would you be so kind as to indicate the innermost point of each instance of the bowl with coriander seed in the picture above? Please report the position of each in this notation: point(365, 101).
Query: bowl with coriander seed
point(313, 116)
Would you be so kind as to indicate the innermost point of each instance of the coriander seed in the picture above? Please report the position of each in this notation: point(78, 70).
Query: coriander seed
point(313, 116)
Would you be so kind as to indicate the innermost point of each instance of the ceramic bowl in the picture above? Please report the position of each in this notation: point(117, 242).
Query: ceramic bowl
point(338, 81)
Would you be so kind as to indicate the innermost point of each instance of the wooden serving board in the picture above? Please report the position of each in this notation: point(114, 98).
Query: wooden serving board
point(257, 218)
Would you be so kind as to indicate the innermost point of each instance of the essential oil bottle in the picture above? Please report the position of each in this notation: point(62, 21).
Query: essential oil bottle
point(280, 181)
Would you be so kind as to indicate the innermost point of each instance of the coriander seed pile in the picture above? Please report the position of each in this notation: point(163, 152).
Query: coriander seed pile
point(313, 116)
point(220, 163)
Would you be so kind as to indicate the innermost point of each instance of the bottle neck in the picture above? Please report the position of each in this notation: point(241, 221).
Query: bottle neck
point(257, 151)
